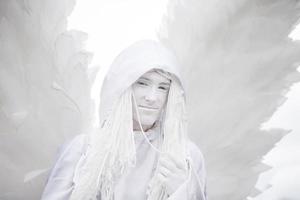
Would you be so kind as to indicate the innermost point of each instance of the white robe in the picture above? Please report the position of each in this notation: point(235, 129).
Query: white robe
point(133, 184)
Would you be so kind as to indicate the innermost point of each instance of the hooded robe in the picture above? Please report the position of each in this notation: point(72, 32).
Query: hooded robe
point(133, 182)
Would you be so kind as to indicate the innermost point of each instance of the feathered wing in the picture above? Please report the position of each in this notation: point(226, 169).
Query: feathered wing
point(44, 91)
point(239, 64)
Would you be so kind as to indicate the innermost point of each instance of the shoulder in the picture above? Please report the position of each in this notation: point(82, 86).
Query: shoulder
point(76, 144)
point(195, 154)
point(197, 164)
point(68, 155)
point(70, 152)
point(60, 179)
point(194, 150)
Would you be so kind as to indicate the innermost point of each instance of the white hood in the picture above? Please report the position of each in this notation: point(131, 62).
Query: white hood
point(129, 65)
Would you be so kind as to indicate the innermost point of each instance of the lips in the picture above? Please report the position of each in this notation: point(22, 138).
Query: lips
point(147, 108)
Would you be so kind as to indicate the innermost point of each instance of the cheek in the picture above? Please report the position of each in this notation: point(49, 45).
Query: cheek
point(139, 91)
point(163, 99)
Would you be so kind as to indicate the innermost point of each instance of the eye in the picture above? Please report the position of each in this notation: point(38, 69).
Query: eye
point(141, 83)
point(163, 88)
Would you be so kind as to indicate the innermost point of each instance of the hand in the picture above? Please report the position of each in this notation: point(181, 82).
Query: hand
point(172, 172)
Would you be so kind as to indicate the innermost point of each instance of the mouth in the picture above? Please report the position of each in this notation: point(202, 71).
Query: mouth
point(147, 108)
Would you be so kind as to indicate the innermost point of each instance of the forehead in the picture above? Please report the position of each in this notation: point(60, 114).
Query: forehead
point(155, 77)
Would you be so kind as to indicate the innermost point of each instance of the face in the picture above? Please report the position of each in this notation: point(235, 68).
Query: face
point(151, 92)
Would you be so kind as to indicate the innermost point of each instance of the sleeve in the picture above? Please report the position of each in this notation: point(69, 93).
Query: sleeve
point(59, 185)
point(194, 188)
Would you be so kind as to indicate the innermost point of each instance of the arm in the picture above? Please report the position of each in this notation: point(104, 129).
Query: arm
point(60, 182)
point(194, 188)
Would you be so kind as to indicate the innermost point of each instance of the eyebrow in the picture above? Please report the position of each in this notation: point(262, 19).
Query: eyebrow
point(162, 83)
point(145, 78)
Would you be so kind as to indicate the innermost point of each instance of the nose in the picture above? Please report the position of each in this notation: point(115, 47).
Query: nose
point(151, 95)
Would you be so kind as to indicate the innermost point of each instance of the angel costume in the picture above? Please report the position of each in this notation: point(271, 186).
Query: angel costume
point(238, 62)
point(115, 162)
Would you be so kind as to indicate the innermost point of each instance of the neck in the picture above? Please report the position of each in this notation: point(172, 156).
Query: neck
point(136, 126)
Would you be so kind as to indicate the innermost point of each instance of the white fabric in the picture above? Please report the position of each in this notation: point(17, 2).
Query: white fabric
point(134, 183)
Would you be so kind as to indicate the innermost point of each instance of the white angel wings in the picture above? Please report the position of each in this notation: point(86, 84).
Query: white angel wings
point(237, 57)
point(44, 91)
point(239, 63)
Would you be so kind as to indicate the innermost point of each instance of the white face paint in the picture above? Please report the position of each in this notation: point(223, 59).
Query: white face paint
point(151, 92)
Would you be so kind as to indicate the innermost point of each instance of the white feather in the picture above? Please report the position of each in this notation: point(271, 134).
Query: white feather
point(239, 64)
point(44, 91)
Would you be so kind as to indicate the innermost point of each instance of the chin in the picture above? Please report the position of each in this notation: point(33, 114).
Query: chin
point(148, 121)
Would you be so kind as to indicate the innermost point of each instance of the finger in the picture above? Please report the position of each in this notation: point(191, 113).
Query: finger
point(167, 163)
point(164, 171)
point(161, 178)
point(178, 163)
